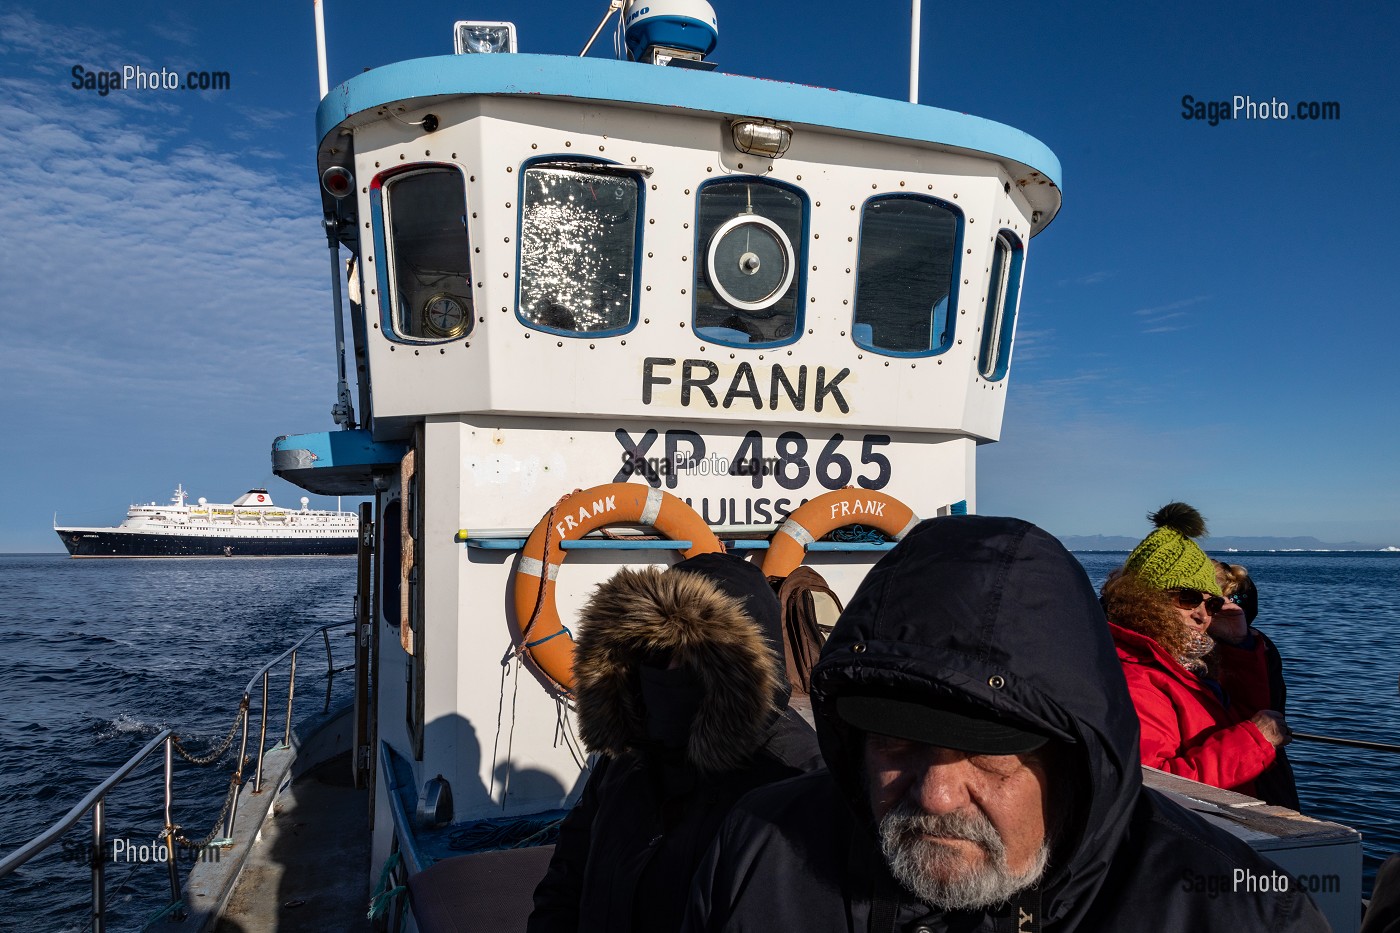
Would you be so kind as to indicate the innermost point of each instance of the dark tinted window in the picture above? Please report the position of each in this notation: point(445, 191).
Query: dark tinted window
point(906, 291)
point(430, 266)
point(748, 263)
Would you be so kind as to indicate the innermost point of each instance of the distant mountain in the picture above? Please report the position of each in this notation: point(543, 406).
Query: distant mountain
point(1221, 543)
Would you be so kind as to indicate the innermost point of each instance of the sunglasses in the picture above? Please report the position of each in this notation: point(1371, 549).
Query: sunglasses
point(1190, 599)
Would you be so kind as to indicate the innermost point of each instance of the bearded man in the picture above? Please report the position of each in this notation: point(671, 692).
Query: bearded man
point(983, 770)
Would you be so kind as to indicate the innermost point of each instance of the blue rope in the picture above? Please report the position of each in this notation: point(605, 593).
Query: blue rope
point(563, 630)
point(510, 833)
point(856, 534)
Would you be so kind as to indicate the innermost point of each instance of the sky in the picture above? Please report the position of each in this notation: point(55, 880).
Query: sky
point(1209, 318)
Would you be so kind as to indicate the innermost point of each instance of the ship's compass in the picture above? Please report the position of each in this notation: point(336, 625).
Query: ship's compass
point(444, 316)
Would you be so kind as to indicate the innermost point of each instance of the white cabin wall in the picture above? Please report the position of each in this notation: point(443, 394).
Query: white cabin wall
point(539, 373)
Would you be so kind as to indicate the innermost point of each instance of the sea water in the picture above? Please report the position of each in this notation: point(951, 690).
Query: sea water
point(96, 656)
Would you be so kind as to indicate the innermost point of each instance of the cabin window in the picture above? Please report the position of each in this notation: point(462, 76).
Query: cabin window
point(1003, 290)
point(906, 282)
point(578, 247)
point(749, 257)
point(430, 280)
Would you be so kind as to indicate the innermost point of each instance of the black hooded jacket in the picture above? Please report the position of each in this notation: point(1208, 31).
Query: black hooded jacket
point(994, 613)
point(628, 849)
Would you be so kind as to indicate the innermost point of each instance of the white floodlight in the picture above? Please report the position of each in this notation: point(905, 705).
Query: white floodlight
point(480, 36)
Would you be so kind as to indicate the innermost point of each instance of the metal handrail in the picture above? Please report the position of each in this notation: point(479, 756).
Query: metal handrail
point(96, 798)
point(96, 801)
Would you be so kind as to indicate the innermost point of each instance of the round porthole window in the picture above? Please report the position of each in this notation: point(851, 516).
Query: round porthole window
point(750, 262)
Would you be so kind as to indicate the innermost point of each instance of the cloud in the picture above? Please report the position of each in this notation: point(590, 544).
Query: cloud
point(151, 275)
point(1164, 319)
point(1093, 278)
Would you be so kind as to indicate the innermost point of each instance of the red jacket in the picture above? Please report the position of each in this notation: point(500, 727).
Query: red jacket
point(1185, 728)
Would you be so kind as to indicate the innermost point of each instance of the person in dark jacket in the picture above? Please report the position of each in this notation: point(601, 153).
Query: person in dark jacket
point(681, 691)
point(1236, 638)
point(983, 756)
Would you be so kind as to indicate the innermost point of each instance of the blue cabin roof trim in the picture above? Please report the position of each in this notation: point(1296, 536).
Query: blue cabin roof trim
point(600, 79)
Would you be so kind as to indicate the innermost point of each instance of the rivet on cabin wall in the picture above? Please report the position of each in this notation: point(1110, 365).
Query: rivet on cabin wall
point(508, 206)
point(653, 187)
point(810, 331)
point(848, 270)
point(843, 333)
point(509, 169)
point(930, 187)
point(887, 362)
point(646, 320)
point(760, 356)
point(813, 299)
point(816, 236)
point(940, 362)
point(901, 184)
point(964, 281)
point(955, 195)
point(687, 191)
point(392, 349)
point(709, 168)
point(471, 178)
point(426, 152)
point(972, 220)
point(592, 346)
point(789, 353)
point(814, 268)
point(376, 165)
point(507, 239)
point(376, 327)
point(731, 356)
point(468, 344)
point(969, 251)
point(850, 239)
point(741, 165)
point(534, 145)
point(479, 284)
point(600, 148)
point(527, 336)
point(648, 288)
point(685, 258)
point(686, 225)
point(481, 320)
point(366, 224)
point(853, 207)
point(559, 344)
point(401, 156)
point(913, 366)
point(873, 187)
point(478, 249)
point(567, 144)
point(860, 356)
point(505, 310)
point(474, 218)
point(682, 292)
point(624, 343)
point(649, 254)
point(505, 275)
point(442, 352)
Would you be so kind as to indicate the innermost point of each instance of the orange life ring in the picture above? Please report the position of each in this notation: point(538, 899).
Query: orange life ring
point(542, 634)
point(831, 510)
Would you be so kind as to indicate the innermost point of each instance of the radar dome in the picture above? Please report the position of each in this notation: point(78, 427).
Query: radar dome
point(687, 25)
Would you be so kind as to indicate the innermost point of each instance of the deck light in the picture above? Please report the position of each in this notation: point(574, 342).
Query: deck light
point(761, 137)
point(337, 181)
point(479, 36)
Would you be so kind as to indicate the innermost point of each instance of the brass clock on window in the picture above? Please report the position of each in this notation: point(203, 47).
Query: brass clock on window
point(445, 316)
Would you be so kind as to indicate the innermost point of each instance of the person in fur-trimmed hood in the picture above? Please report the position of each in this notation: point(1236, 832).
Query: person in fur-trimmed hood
point(681, 690)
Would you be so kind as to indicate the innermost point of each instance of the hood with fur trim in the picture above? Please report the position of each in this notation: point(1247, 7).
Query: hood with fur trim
point(686, 615)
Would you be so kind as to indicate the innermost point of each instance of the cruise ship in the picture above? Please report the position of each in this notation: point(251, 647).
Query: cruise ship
point(250, 526)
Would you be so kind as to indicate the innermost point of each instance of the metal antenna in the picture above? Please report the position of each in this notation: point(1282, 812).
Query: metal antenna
point(613, 5)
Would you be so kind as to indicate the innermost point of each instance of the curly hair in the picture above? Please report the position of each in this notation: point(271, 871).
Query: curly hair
point(1134, 605)
point(1230, 576)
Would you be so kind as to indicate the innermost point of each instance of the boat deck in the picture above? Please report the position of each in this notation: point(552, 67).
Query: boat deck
point(309, 870)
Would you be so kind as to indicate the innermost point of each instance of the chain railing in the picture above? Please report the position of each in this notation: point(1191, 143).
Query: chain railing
point(95, 801)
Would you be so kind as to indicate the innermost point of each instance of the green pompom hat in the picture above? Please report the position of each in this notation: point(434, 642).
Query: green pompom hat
point(1168, 558)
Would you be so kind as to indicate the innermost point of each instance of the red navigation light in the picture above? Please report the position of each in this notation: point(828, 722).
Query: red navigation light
point(338, 182)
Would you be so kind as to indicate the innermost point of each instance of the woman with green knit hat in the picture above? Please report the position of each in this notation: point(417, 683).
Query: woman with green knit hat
point(1159, 607)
